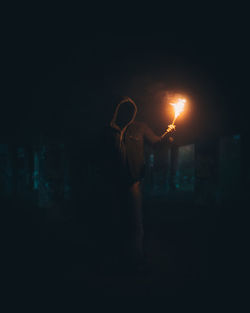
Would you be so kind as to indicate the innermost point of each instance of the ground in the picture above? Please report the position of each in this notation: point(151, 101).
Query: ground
point(182, 240)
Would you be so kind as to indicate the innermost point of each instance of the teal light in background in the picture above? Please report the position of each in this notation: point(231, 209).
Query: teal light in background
point(184, 179)
point(236, 137)
point(36, 171)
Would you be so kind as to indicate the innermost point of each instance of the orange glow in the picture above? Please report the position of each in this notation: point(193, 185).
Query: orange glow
point(178, 107)
point(178, 103)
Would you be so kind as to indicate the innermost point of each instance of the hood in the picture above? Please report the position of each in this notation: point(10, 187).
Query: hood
point(124, 115)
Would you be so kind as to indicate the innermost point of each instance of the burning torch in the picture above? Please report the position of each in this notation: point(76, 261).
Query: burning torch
point(178, 105)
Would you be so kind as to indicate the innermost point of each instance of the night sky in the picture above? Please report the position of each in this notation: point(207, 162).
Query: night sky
point(65, 68)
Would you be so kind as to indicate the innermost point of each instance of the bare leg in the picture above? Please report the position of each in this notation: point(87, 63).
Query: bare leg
point(136, 206)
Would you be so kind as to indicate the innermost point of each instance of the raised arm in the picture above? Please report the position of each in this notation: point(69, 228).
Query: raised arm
point(152, 138)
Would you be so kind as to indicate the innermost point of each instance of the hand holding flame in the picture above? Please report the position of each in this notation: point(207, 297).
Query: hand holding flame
point(178, 108)
point(170, 128)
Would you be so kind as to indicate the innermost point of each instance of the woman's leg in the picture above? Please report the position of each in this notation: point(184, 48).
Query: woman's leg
point(137, 222)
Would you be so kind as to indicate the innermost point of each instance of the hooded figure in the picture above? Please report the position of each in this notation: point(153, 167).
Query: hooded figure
point(131, 136)
point(124, 167)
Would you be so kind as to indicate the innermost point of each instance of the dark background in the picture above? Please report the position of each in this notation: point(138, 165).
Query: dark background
point(63, 67)
point(62, 64)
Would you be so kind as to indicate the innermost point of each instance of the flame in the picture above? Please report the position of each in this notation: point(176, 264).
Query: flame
point(178, 104)
point(178, 107)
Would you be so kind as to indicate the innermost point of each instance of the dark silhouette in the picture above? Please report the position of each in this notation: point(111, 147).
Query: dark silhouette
point(123, 168)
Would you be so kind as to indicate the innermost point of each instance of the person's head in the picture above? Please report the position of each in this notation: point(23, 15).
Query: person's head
point(125, 112)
